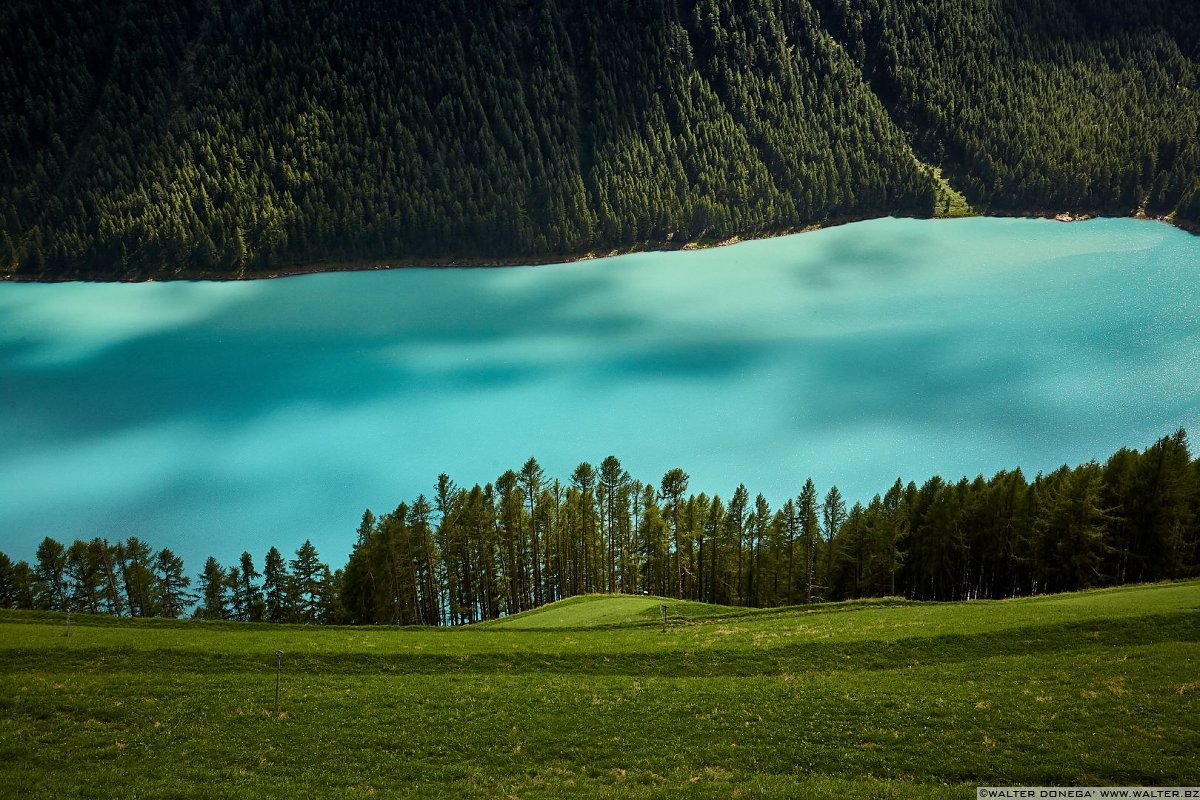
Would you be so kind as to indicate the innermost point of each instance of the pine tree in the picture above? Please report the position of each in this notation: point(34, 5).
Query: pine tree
point(274, 587)
point(171, 595)
point(82, 574)
point(212, 591)
point(232, 588)
point(613, 480)
point(833, 514)
point(49, 573)
point(584, 481)
point(674, 485)
point(809, 530)
point(8, 589)
point(530, 477)
point(736, 524)
point(138, 578)
point(307, 574)
point(248, 591)
point(106, 558)
point(1071, 523)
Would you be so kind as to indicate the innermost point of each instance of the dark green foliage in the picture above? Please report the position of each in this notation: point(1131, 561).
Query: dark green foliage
point(212, 591)
point(395, 574)
point(308, 575)
point(275, 587)
point(1133, 520)
point(92, 572)
point(247, 598)
point(8, 583)
point(232, 138)
point(1088, 104)
point(51, 591)
point(516, 545)
point(133, 558)
point(171, 593)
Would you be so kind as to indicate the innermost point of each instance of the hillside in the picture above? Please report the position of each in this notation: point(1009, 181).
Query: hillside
point(589, 698)
point(224, 139)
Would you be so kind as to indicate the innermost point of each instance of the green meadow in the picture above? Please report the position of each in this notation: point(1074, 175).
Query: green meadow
point(590, 697)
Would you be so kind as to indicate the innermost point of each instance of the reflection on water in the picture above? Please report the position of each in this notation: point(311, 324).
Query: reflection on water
point(212, 418)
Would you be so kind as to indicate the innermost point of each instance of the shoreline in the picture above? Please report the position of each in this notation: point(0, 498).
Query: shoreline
point(479, 262)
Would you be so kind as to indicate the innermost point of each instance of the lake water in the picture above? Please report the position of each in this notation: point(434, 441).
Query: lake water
point(217, 417)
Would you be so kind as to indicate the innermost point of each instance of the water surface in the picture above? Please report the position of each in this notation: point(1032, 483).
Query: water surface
point(217, 417)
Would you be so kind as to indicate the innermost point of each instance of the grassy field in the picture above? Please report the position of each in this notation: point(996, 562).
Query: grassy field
point(589, 698)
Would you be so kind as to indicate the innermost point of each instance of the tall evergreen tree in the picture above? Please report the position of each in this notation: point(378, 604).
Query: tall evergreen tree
point(736, 523)
point(584, 481)
point(248, 591)
point(171, 593)
point(50, 577)
point(809, 531)
point(212, 591)
point(8, 588)
point(674, 485)
point(613, 480)
point(274, 587)
point(833, 514)
point(136, 559)
point(82, 573)
point(530, 478)
point(307, 573)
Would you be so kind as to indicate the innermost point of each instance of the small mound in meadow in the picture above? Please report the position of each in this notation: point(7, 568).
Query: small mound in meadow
point(602, 611)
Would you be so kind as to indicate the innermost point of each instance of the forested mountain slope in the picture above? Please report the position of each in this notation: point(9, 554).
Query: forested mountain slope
point(1089, 104)
point(142, 139)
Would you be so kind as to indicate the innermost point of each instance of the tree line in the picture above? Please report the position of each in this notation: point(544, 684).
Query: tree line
point(525, 540)
point(130, 578)
point(235, 137)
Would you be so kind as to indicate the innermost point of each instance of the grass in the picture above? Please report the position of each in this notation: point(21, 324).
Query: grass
point(949, 203)
point(588, 698)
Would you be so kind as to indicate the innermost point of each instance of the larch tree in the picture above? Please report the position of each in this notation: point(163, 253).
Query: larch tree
point(212, 590)
point(274, 587)
point(674, 486)
point(249, 591)
point(833, 514)
point(172, 597)
point(49, 572)
point(806, 505)
point(307, 572)
point(530, 478)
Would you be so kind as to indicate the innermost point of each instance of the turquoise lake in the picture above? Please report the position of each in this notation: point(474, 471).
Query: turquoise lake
point(213, 418)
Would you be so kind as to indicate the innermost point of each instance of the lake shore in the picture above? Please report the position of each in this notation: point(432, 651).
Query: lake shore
point(471, 262)
point(207, 411)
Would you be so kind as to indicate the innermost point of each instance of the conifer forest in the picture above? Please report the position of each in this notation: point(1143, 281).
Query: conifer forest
point(526, 539)
point(214, 138)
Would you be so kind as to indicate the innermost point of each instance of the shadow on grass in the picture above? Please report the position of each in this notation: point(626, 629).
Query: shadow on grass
point(736, 660)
